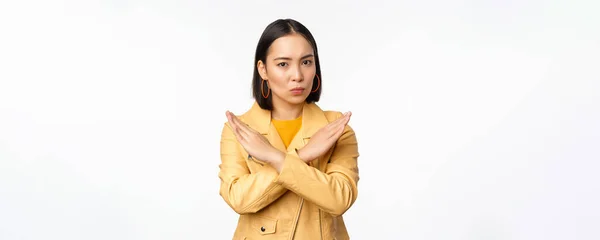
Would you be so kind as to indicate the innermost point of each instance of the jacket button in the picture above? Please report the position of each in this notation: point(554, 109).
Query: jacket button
point(262, 229)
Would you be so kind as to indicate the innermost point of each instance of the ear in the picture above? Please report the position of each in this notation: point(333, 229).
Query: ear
point(262, 69)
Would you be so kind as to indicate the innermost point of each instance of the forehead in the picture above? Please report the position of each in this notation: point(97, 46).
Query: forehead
point(292, 46)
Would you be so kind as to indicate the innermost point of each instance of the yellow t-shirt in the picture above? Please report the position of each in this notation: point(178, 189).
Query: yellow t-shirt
point(287, 129)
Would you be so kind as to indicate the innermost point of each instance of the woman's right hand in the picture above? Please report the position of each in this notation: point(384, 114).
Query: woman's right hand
point(324, 139)
point(254, 143)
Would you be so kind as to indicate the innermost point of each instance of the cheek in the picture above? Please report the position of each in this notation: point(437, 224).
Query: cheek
point(310, 75)
point(276, 79)
point(277, 83)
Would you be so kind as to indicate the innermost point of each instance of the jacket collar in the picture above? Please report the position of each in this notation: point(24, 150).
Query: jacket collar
point(313, 119)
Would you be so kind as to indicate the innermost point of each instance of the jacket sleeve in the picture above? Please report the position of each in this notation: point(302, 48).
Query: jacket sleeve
point(243, 191)
point(334, 190)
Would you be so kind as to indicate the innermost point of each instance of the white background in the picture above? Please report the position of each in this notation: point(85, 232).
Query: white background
point(475, 119)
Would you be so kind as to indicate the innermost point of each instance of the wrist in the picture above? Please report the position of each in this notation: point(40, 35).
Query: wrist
point(302, 155)
point(277, 159)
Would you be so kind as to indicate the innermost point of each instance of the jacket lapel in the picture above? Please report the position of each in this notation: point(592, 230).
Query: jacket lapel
point(313, 119)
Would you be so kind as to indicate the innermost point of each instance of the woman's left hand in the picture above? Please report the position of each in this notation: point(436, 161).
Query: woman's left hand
point(324, 139)
point(255, 143)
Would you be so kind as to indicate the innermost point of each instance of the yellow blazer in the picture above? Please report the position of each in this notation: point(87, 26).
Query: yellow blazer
point(303, 201)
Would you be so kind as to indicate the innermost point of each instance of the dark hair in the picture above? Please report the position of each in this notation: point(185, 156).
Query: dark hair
point(273, 31)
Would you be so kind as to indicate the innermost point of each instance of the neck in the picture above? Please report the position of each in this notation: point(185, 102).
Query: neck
point(286, 111)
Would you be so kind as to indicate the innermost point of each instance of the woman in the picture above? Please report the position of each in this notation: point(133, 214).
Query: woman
point(287, 167)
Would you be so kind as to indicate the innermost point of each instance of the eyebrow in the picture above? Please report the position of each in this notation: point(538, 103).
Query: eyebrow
point(287, 58)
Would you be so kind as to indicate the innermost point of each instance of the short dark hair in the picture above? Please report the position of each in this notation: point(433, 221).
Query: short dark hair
point(272, 32)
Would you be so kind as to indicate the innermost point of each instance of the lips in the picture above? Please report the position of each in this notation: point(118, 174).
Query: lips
point(297, 91)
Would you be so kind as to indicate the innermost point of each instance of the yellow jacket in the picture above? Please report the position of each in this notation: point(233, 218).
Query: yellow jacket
point(303, 201)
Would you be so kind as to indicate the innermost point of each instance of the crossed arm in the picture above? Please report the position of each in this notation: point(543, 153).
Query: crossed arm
point(334, 190)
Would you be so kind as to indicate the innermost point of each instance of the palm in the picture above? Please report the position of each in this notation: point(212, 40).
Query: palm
point(253, 142)
point(324, 139)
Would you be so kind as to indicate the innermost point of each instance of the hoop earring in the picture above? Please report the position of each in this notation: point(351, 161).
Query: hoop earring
point(318, 83)
point(262, 91)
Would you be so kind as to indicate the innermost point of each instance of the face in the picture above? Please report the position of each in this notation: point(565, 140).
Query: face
point(289, 69)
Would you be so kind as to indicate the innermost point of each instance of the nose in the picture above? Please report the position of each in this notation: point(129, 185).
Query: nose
point(297, 75)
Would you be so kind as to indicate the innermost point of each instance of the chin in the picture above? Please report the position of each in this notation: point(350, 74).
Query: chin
point(297, 99)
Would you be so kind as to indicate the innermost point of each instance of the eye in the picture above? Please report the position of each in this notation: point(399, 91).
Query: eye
point(307, 62)
point(282, 64)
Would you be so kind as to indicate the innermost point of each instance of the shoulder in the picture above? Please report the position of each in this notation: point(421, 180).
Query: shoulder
point(314, 110)
point(255, 117)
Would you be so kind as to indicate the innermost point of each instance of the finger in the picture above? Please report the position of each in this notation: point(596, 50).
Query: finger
point(340, 128)
point(239, 136)
point(234, 120)
point(235, 126)
point(230, 121)
point(340, 121)
point(348, 118)
point(343, 118)
point(243, 129)
point(332, 125)
point(339, 132)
